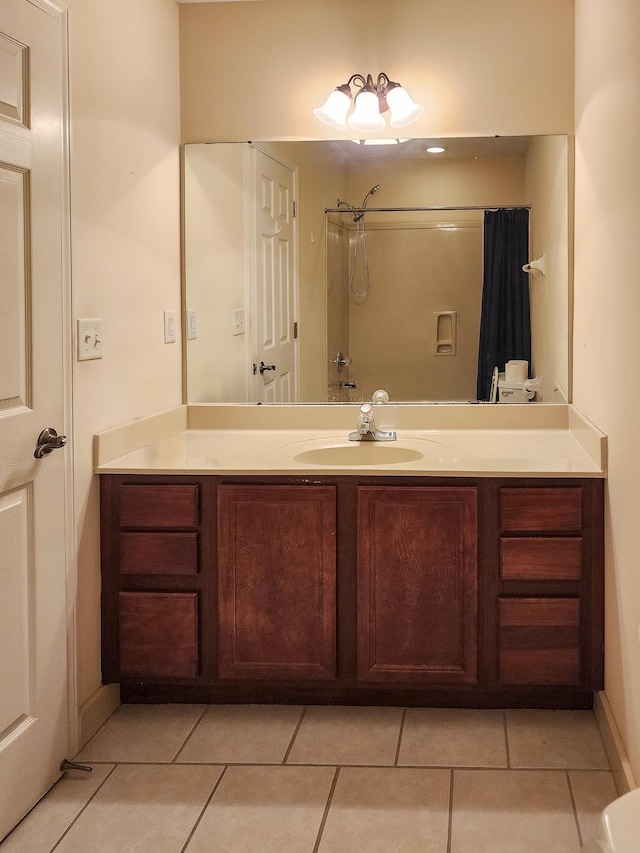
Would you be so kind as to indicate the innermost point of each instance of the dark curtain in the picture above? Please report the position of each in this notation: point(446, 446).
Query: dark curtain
point(505, 325)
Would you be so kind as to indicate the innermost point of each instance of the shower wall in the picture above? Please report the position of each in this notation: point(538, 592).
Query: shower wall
point(419, 268)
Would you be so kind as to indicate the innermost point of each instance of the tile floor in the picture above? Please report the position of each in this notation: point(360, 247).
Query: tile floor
point(285, 779)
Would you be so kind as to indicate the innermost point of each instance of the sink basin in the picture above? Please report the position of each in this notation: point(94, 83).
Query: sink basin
point(359, 453)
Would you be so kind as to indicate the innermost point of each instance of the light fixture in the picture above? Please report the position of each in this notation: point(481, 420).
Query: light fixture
point(370, 102)
point(379, 141)
point(435, 149)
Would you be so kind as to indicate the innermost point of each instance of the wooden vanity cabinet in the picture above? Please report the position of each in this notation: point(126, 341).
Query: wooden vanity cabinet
point(277, 582)
point(155, 612)
point(473, 592)
point(551, 587)
point(417, 584)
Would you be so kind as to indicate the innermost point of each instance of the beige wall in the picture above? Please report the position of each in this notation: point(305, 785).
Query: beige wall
point(216, 196)
point(256, 70)
point(125, 246)
point(549, 227)
point(607, 316)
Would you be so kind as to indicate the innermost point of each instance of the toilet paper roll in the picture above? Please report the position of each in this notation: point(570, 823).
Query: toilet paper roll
point(516, 370)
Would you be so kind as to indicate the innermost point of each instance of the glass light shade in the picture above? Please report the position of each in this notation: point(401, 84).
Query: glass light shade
point(334, 110)
point(404, 110)
point(366, 116)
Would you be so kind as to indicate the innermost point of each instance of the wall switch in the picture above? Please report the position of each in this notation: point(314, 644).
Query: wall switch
point(169, 327)
point(238, 321)
point(192, 329)
point(89, 339)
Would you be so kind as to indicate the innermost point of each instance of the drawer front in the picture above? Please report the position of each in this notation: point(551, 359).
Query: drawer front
point(159, 506)
point(158, 634)
point(541, 559)
point(541, 509)
point(539, 641)
point(158, 553)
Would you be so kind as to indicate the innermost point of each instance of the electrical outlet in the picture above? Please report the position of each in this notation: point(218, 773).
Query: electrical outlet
point(89, 339)
point(192, 329)
point(169, 327)
point(238, 321)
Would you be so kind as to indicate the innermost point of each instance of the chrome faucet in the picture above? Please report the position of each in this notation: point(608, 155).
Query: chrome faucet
point(367, 429)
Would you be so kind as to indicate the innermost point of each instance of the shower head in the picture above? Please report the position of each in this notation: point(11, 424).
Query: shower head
point(363, 207)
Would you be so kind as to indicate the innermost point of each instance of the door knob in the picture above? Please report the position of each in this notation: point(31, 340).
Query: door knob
point(264, 367)
point(48, 440)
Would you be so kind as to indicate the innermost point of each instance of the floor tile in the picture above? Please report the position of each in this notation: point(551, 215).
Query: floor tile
point(347, 735)
point(142, 807)
point(446, 737)
point(264, 810)
point(555, 739)
point(385, 809)
point(140, 733)
point(49, 819)
point(512, 811)
point(593, 790)
point(239, 734)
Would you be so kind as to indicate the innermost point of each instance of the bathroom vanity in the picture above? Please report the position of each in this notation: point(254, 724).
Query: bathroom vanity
point(268, 579)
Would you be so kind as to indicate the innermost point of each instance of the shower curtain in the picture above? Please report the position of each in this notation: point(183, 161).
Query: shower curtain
point(505, 324)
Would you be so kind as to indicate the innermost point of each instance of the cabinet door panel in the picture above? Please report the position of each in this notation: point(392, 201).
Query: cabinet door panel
point(276, 582)
point(158, 553)
point(158, 634)
point(541, 559)
point(417, 584)
point(539, 641)
point(159, 506)
point(541, 509)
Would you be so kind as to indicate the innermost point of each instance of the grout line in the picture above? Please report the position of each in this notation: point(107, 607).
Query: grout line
point(400, 733)
point(190, 735)
point(450, 827)
point(204, 808)
point(325, 814)
point(506, 739)
point(82, 810)
point(575, 809)
point(294, 735)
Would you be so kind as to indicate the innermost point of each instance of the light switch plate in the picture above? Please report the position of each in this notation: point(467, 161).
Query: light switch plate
point(238, 321)
point(169, 327)
point(89, 339)
point(192, 328)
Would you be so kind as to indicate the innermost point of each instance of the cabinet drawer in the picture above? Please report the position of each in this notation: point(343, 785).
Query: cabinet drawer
point(158, 634)
point(158, 553)
point(539, 641)
point(541, 509)
point(159, 506)
point(541, 559)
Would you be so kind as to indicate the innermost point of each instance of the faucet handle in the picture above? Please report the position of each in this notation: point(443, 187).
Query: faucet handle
point(380, 396)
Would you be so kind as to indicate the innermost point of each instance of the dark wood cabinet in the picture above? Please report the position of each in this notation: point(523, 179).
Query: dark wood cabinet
point(417, 584)
point(276, 582)
point(469, 592)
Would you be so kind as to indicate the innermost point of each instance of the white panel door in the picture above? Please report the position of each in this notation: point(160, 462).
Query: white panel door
point(274, 284)
point(33, 623)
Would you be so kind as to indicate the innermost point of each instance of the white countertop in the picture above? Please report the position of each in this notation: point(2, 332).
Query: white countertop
point(466, 440)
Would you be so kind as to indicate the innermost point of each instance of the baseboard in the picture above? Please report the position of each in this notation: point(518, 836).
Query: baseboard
point(616, 753)
point(97, 710)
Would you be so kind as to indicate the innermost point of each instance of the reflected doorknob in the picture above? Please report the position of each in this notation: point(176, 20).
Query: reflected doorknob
point(48, 440)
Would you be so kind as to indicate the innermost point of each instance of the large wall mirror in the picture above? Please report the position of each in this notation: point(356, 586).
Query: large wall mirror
point(323, 271)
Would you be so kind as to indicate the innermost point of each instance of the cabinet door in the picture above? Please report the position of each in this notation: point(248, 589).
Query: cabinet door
point(417, 584)
point(276, 582)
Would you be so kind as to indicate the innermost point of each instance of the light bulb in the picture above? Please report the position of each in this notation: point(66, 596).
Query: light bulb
point(366, 116)
point(334, 110)
point(404, 110)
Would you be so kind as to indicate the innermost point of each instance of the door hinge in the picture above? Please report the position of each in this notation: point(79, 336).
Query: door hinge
point(295, 209)
point(295, 330)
